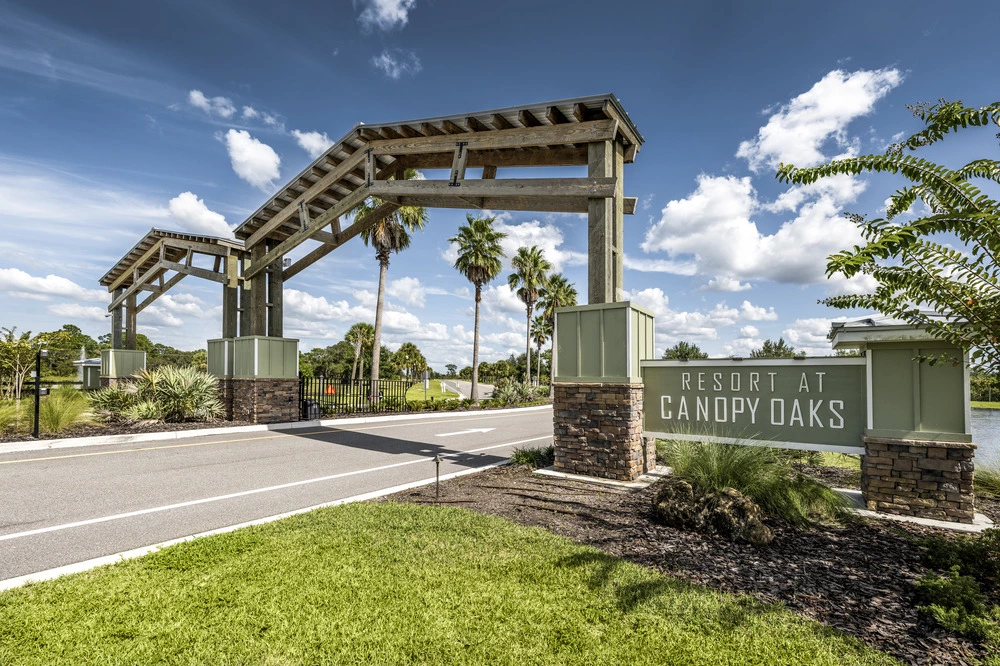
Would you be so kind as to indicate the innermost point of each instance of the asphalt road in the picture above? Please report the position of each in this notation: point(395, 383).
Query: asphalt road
point(465, 388)
point(64, 506)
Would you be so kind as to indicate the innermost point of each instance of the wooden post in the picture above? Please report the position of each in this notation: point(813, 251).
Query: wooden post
point(600, 231)
point(258, 293)
point(618, 228)
point(116, 321)
point(275, 291)
point(130, 313)
point(244, 309)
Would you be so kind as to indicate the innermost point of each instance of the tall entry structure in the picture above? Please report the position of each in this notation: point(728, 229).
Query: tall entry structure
point(308, 218)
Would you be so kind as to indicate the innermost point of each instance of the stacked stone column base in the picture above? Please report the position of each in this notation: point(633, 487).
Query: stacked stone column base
point(261, 400)
point(597, 431)
point(919, 478)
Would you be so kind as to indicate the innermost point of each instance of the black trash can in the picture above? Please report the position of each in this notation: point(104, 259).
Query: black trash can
point(311, 411)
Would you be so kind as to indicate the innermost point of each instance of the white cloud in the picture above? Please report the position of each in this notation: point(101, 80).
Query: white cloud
point(249, 113)
point(742, 346)
point(306, 306)
point(394, 63)
point(18, 283)
point(194, 216)
point(797, 132)
point(673, 325)
point(500, 299)
point(75, 311)
point(749, 331)
point(725, 283)
point(809, 335)
point(660, 266)
point(751, 312)
point(714, 227)
point(156, 315)
point(409, 290)
point(253, 161)
point(385, 14)
point(314, 143)
point(548, 238)
point(216, 106)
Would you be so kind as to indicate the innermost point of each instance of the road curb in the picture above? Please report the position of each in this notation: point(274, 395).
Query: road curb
point(104, 440)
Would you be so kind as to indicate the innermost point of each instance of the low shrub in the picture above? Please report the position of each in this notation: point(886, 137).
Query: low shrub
point(976, 556)
point(759, 473)
point(144, 410)
point(179, 394)
point(508, 392)
point(534, 457)
point(112, 403)
point(957, 603)
point(61, 410)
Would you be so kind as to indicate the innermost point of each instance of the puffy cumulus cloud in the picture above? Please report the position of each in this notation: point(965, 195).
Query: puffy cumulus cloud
point(408, 290)
point(797, 132)
point(749, 331)
point(305, 306)
point(725, 283)
point(743, 345)
point(385, 14)
point(673, 325)
point(809, 335)
point(500, 299)
point(156, 315)
point(714, 228)
point(75, 311)
point(185, 304)
point(314, 143)
point(751, 312)
point(214, 106)
point(253, 161)
point(193, 215)
point(394, 63)
point(548, 237)
point(249, 113)
point(20, 284)
point(660, 265)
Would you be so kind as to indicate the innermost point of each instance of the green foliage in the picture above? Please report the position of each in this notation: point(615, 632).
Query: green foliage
point(772, 349)
point(684, 351)
point(984, 386)
point(529, 277)
point(952, 292)
point(10, 417)
point(957, 603)
point(977, 556)
point(987, 479)
point(512, 392)
point(534, 457)
point(179, 394)
point(758, 472)
point(61, 410)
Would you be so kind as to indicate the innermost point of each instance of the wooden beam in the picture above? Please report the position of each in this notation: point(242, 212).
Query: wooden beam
point(526, 157)
point(127, 273)
point(343, 206)
point(258, 290)
point(408, 131)
point(507, 187)
point(529, 137)
point(458, 165)
point(275, 297)
point(152, 297)
point(600, 234)
point(341, 170)
point(555, 116)
point(629, 204)
point(130, 321)
point(116, 319)
point(475, 125)
point(463, 200)
point(501, 123)
point(146, 277)
point(430, 130)
point(489, 172)
point(528, 119)
point(194, 270)
point(382, 211)
point(452, 128)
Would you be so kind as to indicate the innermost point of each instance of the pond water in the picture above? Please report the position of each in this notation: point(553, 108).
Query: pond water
point(986, 434)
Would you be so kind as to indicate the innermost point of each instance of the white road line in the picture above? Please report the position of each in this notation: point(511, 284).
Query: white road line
point(255, 491)
point(77, 567)
point(464, 432)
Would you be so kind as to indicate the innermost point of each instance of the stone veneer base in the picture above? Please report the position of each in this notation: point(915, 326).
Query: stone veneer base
point(926, 479)
point(259, 400)
point(597, 431)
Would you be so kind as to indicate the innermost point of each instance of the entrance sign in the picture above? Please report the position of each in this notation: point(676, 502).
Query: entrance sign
point(814, 404)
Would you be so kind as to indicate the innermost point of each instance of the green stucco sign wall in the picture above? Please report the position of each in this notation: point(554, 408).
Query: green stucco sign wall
point(818, 403)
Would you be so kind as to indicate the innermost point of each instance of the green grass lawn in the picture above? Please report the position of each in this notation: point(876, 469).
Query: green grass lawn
point(398, 584)
point(985, 405)
point(435, 390)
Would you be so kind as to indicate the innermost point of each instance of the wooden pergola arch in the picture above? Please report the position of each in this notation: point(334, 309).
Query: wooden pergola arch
point(593, 132)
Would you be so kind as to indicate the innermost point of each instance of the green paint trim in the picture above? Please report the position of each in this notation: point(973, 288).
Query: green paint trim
point(607, 306)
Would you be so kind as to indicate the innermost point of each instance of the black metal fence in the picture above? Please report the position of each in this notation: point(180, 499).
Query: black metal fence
point(323, 396)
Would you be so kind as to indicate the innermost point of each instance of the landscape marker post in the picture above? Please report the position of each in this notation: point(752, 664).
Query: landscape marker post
point(42, 353)
point(437, 477)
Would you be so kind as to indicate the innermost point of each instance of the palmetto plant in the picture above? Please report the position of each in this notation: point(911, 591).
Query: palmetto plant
point(529, 276)
point(556, 293)
point(479, 260)
point(389, 235)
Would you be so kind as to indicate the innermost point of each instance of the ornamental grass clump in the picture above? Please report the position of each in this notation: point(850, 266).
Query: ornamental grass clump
point(760, 473)
point(63, 409)
point(9, 417)
point(534, 457)
point(987, 479)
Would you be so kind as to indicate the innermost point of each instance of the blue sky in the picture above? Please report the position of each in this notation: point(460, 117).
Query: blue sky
point(119, 116)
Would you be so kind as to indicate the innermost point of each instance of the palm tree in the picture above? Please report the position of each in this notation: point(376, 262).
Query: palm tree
point(479, 260)
point(556, 293)
point(541, 330)
point(361, 335)
point(388, 235)
point(530, 269)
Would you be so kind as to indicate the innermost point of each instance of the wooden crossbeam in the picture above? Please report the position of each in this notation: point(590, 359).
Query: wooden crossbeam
point(323, 184)
point(342, 207)
point(526, 157)
point(195, 271)
point(473, 124)
point(382, 211)
point(138, 262)
point(501, 123)
point(521, 187)
point(163, 289)
point(145, 278)
point(527, 137)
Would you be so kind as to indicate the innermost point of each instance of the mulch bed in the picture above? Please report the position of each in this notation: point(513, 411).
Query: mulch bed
point(94, 430)
point(858, 579)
